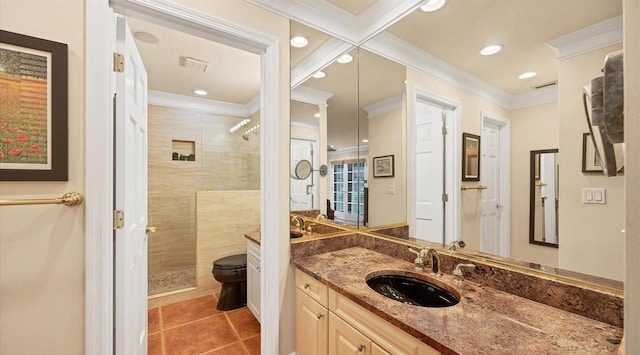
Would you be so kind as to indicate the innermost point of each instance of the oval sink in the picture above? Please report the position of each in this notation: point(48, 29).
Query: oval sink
point(414, 291)
point(293, 235)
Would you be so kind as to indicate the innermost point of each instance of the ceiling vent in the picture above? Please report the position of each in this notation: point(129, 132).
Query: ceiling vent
point(551, 83)
point(195, 64)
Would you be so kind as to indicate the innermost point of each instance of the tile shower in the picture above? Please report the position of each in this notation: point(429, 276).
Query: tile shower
point(190, 152)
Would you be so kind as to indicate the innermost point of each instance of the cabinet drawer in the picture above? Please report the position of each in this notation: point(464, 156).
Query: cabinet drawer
point(312, 287)
point(387, 337)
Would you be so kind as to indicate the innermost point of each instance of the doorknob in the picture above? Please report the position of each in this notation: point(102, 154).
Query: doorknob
point(498, 205)
point(151, 229)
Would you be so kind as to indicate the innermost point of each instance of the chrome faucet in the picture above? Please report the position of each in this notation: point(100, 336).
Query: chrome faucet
point(298, 222)
point(456, 244)
point(424, 253)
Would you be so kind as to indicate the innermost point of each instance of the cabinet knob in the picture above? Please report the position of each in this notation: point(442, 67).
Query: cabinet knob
point(258, 268)
point(319, 316)
point(306, 285)
point(361, 347)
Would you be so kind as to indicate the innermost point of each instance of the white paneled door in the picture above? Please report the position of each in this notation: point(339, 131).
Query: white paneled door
point(130, 241)
point(303, 192)
point(429, 171)
point(491, 207)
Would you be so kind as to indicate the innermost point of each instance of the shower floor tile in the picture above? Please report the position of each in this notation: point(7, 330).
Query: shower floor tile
point(195, 326)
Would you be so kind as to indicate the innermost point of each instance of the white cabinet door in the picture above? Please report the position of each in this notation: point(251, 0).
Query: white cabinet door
point(253, 278)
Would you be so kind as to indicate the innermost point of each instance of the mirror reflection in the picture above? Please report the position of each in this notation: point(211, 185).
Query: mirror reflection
point(543, 222)
point(483, 96)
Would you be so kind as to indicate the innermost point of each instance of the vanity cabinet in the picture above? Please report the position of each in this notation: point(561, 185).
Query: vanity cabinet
point(253, 278)
point(329, 323)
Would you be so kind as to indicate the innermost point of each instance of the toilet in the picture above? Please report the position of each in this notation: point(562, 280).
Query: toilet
point(231, 272)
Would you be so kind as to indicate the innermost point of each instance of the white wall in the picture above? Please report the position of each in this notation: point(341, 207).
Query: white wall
point(42, 247)
point(532, 128)
point(591, 240)
point(385, 138)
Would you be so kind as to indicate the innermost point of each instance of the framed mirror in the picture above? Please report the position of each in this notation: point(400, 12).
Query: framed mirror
point(544, 201)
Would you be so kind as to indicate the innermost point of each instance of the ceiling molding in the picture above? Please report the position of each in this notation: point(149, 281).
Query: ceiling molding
point(535, 97)
point(320, 15)
point(310, 96)
point(194, 103)
point(304, 123)
point(253, 106)
point(587, 39)
point(382, 14)
point(319, 59)
point(387, 105)
point(187, 20)
point(398, 50)
point(361, 148)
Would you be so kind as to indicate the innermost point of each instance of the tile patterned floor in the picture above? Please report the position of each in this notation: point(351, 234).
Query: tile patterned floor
point(196, 327)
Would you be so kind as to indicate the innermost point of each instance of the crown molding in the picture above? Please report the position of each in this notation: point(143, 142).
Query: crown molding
point(194, 103)
point(304, 123)
point(310, 96)
point(319, 59)
point(398, 50)
point(382, 14)
point(587, 39)
point(536, 97)
point(253, 106)
point(387, 105)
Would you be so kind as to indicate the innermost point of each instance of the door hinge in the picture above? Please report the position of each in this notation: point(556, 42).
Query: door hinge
point(444, 130)
point(118, 219)
point(445, 198)
point(118, 62)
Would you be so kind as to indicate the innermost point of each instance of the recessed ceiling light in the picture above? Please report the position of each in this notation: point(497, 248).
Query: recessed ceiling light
point(319, 75)
point(317, 115)
point(345, 59)
point(365, 141)
point(492, 49)
point(200, 92)
point(433, 5)
point(146, 37)
point(527, 75)
point(299, 42)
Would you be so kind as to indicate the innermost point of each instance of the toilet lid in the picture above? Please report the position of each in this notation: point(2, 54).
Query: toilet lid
point(238, 261)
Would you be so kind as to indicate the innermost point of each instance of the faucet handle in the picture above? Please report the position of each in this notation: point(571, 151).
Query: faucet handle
point(457, 272)
point(310, 227)
point(419, 258)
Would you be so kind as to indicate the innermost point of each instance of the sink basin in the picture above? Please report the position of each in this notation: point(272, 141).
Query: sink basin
point(412, 290)
point(294, 235)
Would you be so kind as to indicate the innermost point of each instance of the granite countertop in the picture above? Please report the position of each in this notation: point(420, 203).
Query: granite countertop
point(486, 321)
point(253, 236)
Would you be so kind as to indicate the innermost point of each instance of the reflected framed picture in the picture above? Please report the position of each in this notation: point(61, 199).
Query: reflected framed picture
point(470, 157)
point(590, 161)
point(34, 109)
point(383, 166)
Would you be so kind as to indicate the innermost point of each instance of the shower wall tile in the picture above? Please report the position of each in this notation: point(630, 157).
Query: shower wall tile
point(223, 217)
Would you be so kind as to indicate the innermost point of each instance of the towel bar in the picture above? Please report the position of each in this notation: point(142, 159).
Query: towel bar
point(473, 187)
point(69, 199)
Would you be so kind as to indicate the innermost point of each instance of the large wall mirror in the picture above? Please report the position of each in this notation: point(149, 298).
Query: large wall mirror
point(369, 108)
point(545, 197)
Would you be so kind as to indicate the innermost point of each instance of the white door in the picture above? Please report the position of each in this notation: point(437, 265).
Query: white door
point(548, 194)
point(429, 172)
point(490, 173)
point(303, 196)
point(130, 242)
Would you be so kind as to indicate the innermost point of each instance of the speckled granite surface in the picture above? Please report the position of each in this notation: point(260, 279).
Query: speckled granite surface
point(486, 321)
point(583, 300)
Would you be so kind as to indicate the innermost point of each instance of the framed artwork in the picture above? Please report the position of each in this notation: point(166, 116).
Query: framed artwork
point(590, 161)
point(470, 157)
point(33, 114)
point(383, 166)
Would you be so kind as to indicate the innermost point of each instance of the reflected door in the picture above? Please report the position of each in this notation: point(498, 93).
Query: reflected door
point(491, 208)
point(303, 196)
point(429, 168)
point(347, 190)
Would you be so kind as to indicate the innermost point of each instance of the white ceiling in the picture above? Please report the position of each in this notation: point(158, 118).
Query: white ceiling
point(455, 34)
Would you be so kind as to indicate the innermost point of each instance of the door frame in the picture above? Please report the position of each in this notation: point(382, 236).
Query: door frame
point(452, 160)
point(100, 35)
point(505, 176)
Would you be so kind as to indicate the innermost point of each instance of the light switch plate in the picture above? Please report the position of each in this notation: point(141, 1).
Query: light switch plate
point(594, 195)
point(391, 189)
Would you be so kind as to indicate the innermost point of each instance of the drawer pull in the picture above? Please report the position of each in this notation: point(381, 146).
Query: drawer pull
point(319, 316)
point(306, 285)
point(361, 347)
